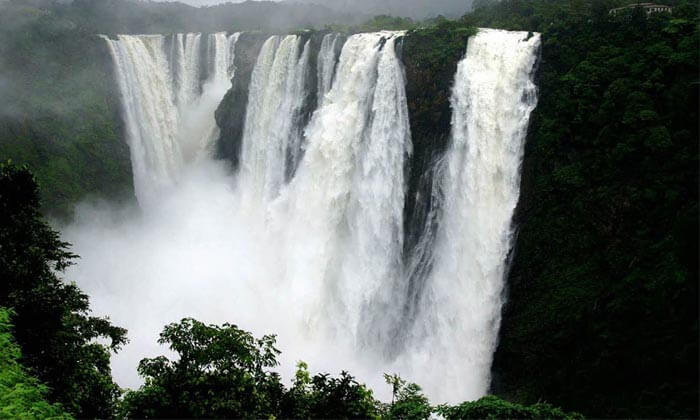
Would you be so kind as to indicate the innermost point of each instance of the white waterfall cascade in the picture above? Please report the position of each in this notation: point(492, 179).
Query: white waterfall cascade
point(306, 240)
point(186, 56)
point(169, 117)
point(327, 60)
point(148, 108)
point(198, 129)
point(492, 99)
point(346, 200)
point(272, 136)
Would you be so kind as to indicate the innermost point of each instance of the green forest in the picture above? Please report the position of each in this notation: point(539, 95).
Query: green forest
point(601, 318)
point(603, 291)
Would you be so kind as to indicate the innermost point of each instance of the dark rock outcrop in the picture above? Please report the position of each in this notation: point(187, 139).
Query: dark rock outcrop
point(230, 115)
point(430, 59)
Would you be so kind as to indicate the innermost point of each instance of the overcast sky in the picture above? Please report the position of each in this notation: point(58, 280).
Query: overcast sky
point(209, 2)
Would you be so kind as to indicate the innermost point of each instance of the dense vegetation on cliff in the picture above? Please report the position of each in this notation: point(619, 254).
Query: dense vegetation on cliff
point(21, 395)
point(51, 318)
point(602, 312)
point(60, 110)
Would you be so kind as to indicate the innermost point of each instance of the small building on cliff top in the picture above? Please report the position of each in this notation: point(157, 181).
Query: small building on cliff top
point(649, 8)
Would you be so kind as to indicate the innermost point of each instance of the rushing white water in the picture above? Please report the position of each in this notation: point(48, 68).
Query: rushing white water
point(198, 130)
point(346, 200)
point(168, 115)
point(492, 99)
point(149, 112)
point(327, 59)
point(370, 280)
point(272, 136)
point(306, 239)
point(221, 54)
point(187, 69)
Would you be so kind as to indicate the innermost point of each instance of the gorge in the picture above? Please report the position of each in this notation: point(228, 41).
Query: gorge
point(509, 212)
point(306, 234)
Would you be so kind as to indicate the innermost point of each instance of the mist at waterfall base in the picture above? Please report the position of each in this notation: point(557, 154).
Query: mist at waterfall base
point(305, 239)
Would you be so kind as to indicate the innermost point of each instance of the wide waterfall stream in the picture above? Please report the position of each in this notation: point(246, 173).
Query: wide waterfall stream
point(305, 237)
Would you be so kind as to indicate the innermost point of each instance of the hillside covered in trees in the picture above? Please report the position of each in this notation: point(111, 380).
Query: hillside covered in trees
point(601, 316)
point(602, 303)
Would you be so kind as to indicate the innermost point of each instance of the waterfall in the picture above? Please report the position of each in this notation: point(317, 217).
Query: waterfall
point(346, 200)
point(149, 110)
point(375, 212)
point(327, 59)
point(198, 130)
point(492, 99)
point(187, 68)
point(306, 239)
point(272, 135)
point(168, 113)
point(221, 55)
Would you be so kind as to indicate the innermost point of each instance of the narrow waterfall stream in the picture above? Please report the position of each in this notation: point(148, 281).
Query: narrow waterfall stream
point(272, 135)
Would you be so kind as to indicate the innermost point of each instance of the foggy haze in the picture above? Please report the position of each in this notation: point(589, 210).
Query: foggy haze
point(417, 9)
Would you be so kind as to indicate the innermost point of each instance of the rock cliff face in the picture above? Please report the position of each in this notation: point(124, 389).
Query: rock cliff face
point(230, 116)
point(430, 59)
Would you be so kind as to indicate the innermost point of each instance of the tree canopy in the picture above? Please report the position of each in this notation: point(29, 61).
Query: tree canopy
point(225, 372)
point(53, 328)
point(21, 395)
